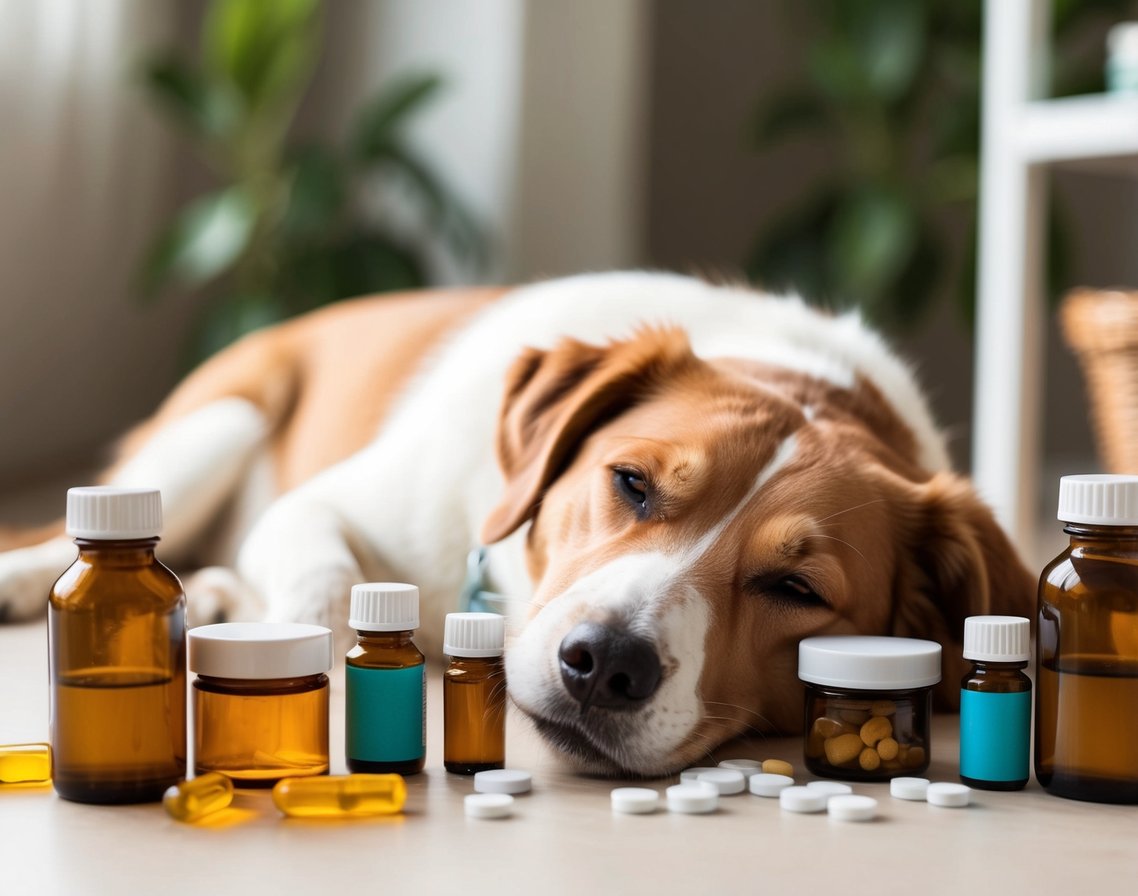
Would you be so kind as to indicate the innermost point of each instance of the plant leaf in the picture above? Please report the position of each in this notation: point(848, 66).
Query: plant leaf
point(227, 319)
point(374, 262)
point(871, 239)
point(264, 48)
point(204, 240)
point(206, 109)
point(316, 194)
point(378, 121)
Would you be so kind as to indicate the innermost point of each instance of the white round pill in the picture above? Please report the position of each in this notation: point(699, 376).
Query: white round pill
point(909, 788)
point(765, 784)
point(725, 780)
point(488, 805)
point(830, 788)
point(748, 767)
point(503, 780)
point(851, 807)
point(691, 775)
point(692, 799)
point(945, 793)
point(802, 799)
point(635, 800)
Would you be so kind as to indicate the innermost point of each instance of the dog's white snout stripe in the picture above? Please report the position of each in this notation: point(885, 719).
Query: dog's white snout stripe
point(782, 456)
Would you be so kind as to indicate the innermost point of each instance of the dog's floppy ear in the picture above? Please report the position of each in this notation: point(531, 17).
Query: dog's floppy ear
point(555, 398)
point(956, 562)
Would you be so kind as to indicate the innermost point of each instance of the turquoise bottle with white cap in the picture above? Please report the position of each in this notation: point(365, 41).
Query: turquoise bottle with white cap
point(385, 681)
point(995, 703)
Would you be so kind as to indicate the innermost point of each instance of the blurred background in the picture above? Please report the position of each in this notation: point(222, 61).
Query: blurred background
point(173, 172)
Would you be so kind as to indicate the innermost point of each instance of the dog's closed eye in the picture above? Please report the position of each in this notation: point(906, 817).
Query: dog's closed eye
point(787, 591)
point(632, 487)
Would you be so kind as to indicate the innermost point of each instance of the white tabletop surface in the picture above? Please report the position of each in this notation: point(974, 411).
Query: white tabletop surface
point(563, 837)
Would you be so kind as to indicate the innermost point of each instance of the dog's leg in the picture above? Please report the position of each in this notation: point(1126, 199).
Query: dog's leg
point(197, 461)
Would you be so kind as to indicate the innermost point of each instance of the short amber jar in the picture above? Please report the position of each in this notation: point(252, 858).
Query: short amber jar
point(260, 700)
point(868, 707)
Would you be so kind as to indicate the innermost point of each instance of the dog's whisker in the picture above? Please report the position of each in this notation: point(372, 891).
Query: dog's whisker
point(839, 541)
point(851, 509)
point(757, 715)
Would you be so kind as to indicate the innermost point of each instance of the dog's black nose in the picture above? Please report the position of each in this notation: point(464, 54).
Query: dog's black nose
point(603, 666)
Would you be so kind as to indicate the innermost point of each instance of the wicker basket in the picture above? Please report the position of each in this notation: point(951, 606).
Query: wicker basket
point(1101, 326)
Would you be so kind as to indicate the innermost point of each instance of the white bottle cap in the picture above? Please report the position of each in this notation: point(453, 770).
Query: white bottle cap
point(869, 663)
point(1099, 499)
point(474, 634)
point(503, 780)
point(766, 784)
point(946, 793)
point(106, 513)
point(488, 805)
point(384, 607)
point(635, 800)
point(260, 650)
point(997, 639)
point(692, 799)
point(727, 781)
point(802, 799)
point(851, 807)
point(909, 788)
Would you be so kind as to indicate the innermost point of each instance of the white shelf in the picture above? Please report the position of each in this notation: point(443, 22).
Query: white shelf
point(1077, 128)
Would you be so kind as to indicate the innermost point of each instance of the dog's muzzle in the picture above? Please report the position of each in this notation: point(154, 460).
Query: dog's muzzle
point(608, 668)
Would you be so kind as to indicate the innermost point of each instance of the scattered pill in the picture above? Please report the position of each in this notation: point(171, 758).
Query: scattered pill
point(802, 799)
point(692, 799)
point(851, 807)
point(691, 775)
point(503, 780)
point(747, 766)
point(635, 800)
point(340, 796)
point(830, 788)
point(769, 785)
point(945, 793)
point(726, 781)
point(25, 763)
point(198, 797)
point(909, 788)
point(778, 767)
point(488, 805)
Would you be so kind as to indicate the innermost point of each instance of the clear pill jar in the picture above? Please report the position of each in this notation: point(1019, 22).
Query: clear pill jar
point(260, 700)
point(868, 705)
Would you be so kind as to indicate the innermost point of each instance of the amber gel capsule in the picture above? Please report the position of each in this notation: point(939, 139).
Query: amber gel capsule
point(198, 797)
point(340, 796)
point(25, 763)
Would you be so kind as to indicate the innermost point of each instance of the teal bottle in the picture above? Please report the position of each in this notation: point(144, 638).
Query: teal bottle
point(995, 703)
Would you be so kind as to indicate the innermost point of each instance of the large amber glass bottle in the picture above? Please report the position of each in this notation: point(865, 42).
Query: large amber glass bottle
point(117, 645)
point(1086, 712)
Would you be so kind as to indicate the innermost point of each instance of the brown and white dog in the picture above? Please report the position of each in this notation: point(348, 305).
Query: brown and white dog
point(677, 481)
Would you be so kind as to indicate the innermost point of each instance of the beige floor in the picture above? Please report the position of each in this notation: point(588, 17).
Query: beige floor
point(562, 839)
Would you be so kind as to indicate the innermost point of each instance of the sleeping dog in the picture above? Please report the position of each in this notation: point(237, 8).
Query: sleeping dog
point(676, 483)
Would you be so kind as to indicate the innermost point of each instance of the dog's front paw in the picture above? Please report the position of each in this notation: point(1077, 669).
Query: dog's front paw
point(320, 596)
point(218, 594)
point(26, 577)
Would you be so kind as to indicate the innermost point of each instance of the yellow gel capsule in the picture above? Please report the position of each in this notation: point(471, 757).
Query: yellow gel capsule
point(25, 763)
point(198, 797)
point(340, 796)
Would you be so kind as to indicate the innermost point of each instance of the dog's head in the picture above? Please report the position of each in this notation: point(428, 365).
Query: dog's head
point(692, 520)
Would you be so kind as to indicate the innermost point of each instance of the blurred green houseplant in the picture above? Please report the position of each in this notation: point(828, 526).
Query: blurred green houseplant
point(287, 228)
point(893, 87)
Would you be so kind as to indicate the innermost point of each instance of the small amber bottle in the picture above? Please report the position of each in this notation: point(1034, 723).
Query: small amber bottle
point(385, 682)
point(995, 703)
point(474, 693)
point(117, 654)
point(1086, 701)
point(261, 700)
